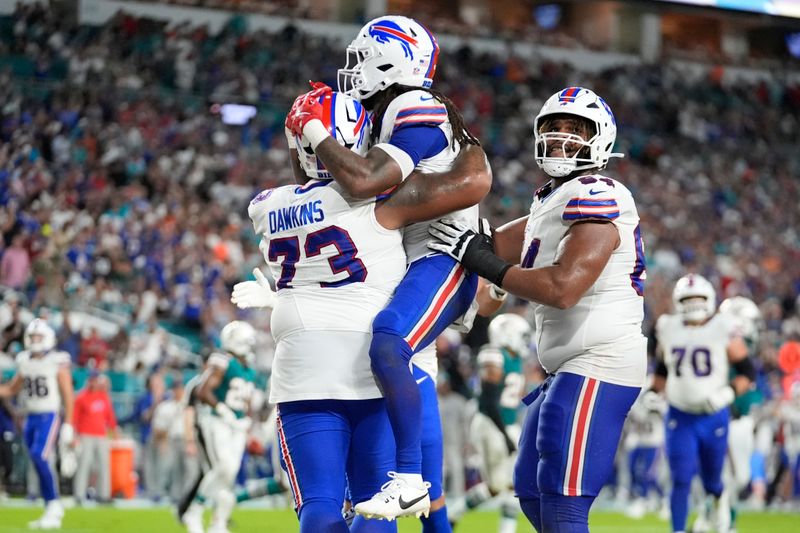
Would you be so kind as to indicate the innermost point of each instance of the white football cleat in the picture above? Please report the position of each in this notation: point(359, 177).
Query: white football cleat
point(397, 498)
point(51, 519)
point(193, 518)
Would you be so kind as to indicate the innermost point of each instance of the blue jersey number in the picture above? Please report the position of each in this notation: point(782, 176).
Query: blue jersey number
point(288, 248)
point(701, 361)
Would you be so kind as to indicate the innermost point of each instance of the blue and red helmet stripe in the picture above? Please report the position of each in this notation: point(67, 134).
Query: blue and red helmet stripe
point(434, 57)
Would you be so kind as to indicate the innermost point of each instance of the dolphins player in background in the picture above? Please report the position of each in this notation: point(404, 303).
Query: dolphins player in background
point(578, 257)
point(494, 429)
point(333, 255)
point(390, 68)
point(44, 378)
point(226, 388)
point(698, 348)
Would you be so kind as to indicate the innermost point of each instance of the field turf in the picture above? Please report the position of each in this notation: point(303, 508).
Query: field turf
point(283, 521)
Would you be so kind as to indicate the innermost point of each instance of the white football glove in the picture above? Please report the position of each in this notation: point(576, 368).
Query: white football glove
point(720, 399)
point(256, 293)
point(67, 435)
point(654, 402)
point(226, 414)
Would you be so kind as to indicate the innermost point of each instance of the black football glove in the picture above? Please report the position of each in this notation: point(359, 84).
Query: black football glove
point(474, 250)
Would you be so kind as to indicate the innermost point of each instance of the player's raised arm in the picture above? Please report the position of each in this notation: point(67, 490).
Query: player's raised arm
point(429, 196)
point(360, 176)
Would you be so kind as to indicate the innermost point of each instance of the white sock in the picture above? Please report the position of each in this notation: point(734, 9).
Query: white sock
point(414, 480)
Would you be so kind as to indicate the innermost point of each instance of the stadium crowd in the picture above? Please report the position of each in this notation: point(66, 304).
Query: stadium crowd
point(121, 189)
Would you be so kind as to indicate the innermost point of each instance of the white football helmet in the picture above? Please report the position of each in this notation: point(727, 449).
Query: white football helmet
point(347, 121)
point(490, 356)
point(694, 298)
point(746, 312)
point(386, 51)
point(594, 152)
point(239, 338)
point(39, 337)
point(512, 332)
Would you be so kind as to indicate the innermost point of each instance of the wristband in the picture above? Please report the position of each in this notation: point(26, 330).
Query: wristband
point(497, 294)
point(315, 132)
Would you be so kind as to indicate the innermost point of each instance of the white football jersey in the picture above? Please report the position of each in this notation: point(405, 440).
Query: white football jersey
point(601, 336)
point(420, 107)
point(40, 392)
point(696, 358)
point(336, 267)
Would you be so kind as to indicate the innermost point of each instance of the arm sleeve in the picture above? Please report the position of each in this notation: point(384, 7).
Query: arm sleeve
point(745, 368)
point(661, 369)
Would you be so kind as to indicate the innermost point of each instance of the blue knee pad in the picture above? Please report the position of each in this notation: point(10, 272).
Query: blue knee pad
point(565, 514)
point(532, 508)
point(389, 355)
point(322, 516)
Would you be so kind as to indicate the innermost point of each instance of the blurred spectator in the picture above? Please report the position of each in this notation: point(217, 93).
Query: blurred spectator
point(69, 336)
point(94, 351)
point(94, 419)
point(15, 266)
point(15, 327)
point(178, 469)
point(142, 416)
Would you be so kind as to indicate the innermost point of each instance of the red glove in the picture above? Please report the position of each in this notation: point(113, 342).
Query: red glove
point(308, 109)
point(316, 85)
point(289, 117)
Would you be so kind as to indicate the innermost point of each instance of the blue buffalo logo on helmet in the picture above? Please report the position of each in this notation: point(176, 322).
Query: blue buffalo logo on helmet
point(386, 30)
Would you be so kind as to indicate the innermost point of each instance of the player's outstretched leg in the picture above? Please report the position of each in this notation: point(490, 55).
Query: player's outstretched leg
point(433, 294)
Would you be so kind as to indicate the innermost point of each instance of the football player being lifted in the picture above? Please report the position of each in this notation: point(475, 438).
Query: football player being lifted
point(390, 69)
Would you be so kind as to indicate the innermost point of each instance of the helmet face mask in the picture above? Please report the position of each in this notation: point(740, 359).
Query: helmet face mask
point(347, 121)
point(576, 150)
point(388, 50)
point(39, 337)
point(694, 298)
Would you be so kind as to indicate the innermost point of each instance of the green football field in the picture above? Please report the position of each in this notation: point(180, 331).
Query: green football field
point(247, 520)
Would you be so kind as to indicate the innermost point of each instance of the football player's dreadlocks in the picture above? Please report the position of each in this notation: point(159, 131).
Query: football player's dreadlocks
point(381, 100)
